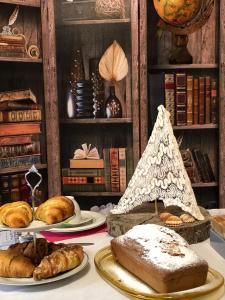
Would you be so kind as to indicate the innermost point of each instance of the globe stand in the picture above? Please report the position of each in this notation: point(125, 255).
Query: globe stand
point(180, 53)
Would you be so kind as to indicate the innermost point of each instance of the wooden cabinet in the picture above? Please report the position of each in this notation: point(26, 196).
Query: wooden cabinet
point(206, 46)
point(92, 36)
point(35, 22)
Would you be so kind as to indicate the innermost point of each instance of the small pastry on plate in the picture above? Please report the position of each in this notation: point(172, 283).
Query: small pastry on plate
point(164, 216)
point(55, 210)
point(186, 218)
point(173, 221)
point(16, 215)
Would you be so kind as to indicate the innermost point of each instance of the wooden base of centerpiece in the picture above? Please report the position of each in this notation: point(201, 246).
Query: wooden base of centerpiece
point(193, 233)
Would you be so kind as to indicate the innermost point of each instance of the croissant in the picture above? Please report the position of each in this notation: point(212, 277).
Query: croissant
point(16, 215)
point(55, 210)
point(13, 264)
point(27, 249)
point(59, 261)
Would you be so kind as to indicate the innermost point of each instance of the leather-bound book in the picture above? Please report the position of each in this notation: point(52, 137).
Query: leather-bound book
point(201, 165)
point(122, 169)
point(209, 167)
point(170, 96)
point(201, 100)
point(190, 165)
point(207, 99)
point(5, 188)
point(114, 167)
point(189, 100)
point(181, 99)
point(195, 101)
point(214, 101)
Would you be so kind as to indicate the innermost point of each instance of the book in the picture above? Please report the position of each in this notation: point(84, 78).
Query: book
point(20, 161)
point(19, 128)
point(208, 167)
point(107, 171)
point(82, 172)
point(199, 160)
point(19, 150)
point(189, 100)
point(201, 115)
point(5, 189)
point(190, 165)
point(207, 99)
point(69, 188)
point(114, 169)
point(25, 192)
point(195, 101)
point(122, 169)
point(18, 106)
point(87, 163)
point(83, 180)
point(20, 116)
point(15, 140)
point(170, 96)
point(181, 99)
point(130, 166)
point(18, 95)
point(214, 101)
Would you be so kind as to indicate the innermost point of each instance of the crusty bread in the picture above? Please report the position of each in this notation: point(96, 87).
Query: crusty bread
point(55, 210)
point(160, 257)
point(16, 214)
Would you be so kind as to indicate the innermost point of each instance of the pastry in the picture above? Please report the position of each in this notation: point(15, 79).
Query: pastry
point(164, 216)
point(59, 261)
point(16, 215)
point(13, 264)
point(173, 221)
point(55, 210)
point(186, 218)
point(160, 257)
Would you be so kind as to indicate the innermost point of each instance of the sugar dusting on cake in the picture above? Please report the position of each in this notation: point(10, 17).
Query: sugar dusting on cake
point(162, 246)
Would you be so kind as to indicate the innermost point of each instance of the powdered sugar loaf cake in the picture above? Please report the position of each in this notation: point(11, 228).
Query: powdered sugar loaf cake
point(160, 257)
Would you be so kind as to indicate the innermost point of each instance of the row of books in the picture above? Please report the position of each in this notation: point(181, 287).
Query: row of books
point(198, 166)
point(190, 99)
point(20, 129)
point(110, 174)
point(14, 188)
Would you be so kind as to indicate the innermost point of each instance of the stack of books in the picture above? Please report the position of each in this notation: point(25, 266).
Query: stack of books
point(198, 166)
point(20, 129)
point(191, 100)
point(110, 174)
point(84, 175)
point(12, 45)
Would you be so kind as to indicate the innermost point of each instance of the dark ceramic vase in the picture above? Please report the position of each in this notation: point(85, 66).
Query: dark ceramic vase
point(113, 108)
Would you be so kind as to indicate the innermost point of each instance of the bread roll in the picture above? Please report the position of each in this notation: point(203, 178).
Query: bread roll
point(16, 215)
point(13, 264)
point(55, 210)
point(59, 261)
point(160, 257)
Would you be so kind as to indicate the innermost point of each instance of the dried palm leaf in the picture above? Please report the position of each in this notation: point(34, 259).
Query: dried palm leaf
point(113, 65)
point(14, 15)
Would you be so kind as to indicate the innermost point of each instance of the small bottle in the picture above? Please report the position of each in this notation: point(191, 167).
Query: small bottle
point(113, 106)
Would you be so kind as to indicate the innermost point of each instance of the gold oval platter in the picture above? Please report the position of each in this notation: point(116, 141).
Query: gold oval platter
point(110, 270)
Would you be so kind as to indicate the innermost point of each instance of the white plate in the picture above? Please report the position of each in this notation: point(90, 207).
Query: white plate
point(98, 219)
point(34, 226)
point(85, 218)
point(31, 281)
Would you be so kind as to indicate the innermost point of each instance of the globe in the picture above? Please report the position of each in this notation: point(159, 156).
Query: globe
point(177, 12)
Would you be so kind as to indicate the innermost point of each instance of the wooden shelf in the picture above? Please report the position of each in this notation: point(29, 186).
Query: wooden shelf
point(179, 67)
point(21, 168)
point(97, 121)
point(196, 127)
point(95, 22)
point(21, 59)
point(204, 185)
point(32, 3)
point(96, 194)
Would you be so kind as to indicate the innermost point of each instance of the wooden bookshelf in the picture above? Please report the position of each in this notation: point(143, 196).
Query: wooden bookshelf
point(183, 67)
point(97, 121)
point(32, 3)
point(96, 194)
point(95, 22)
point(205, 185)
point(22, 169)
point(20, 59)
point(196, 127)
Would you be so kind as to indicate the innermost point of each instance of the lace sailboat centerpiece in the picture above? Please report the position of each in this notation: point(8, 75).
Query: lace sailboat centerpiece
point(160, 173)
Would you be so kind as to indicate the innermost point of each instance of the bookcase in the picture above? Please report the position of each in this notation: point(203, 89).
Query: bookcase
point(23, 72)
point(207, 48)
point(92, 35)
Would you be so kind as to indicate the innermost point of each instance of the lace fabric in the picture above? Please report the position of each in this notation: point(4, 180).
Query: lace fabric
point(160, 173)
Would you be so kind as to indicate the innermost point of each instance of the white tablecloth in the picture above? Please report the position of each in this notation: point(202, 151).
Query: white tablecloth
point(88, 285)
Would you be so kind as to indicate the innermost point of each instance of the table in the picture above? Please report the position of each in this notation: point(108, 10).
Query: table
point(88, 285)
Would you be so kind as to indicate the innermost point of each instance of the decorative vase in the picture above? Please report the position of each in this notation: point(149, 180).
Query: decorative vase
point(113, 108)
point(77, 70)
point(98, 88)
point(70, 105)
point(110, 8)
